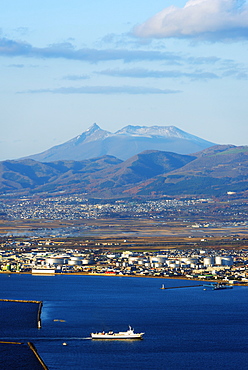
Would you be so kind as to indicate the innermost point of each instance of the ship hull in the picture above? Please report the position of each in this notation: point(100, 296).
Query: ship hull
point(129, 334)
point(116, 336)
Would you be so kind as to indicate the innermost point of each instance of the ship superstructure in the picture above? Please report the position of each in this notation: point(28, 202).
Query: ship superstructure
point(129, 334)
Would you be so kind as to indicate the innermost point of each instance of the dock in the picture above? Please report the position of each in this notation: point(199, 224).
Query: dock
point(181, 286)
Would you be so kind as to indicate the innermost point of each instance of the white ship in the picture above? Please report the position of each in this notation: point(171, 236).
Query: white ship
point(129, 334)
point(44, 271)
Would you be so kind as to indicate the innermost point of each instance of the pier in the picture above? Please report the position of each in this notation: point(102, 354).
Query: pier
point(181, 286)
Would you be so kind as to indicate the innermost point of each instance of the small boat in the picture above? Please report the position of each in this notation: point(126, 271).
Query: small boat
point(129, 334)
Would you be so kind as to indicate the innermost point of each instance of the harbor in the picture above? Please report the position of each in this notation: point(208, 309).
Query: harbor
point(179, 324)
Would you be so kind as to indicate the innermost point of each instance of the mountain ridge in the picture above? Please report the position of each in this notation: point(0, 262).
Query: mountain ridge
point(211, 172)
point(123, 144)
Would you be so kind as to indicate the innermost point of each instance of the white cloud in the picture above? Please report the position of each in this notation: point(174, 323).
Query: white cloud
point(203, 19)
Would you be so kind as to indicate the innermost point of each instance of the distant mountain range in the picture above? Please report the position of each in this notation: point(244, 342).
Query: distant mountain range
point(123, 144)
point(211, 172)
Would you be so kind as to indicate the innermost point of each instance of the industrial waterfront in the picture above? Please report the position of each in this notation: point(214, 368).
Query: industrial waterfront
point(194, 263)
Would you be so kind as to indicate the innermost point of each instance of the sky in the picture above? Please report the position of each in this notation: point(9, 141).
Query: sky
point(65, 65)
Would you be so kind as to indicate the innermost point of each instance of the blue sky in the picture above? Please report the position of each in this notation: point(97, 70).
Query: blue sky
point(65, 65)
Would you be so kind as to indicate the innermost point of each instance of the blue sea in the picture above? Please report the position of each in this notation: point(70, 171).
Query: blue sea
point(188, 328)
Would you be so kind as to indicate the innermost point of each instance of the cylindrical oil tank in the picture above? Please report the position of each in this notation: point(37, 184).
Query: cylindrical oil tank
point(192, 260)
point(132, 260)
point(189, 261)
point(172, 262)
point(227, 261)
point(156, 264)
point(55, 261)
point(185, 260)
point(161, 259)
point(74, 263)
point(76, 258)
point(142, 261)
point(87, 261)
point(208, 261)
point(158, 259)
point(218, 260)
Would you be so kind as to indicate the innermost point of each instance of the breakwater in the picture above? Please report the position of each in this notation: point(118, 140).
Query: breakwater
point(39, 303)
point(17, 355)
point(16, 315)
point(39, 314)
point(18, 300)
point(34, 350)
point(181, 286)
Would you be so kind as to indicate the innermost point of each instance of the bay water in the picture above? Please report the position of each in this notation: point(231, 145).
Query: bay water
point(187, 328)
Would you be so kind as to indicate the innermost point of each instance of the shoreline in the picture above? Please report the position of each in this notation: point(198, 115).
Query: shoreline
point(135, 275)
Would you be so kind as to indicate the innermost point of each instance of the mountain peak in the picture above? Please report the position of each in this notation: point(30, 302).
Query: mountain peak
point(93, 133)
point(155, 131)
point(93, 128)
point(124, 143)
point(145, 131)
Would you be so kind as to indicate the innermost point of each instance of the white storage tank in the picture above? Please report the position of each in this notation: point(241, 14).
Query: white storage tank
point(218, 260)
point(208, 261)
point(193, 260)
point(55, 261)
point(74, 263)
point(132, 260)
point(161, 259)
point(87, 261)
point(185, 259)
point(147, 264)
point(173, 264)
point(76, 258)
point(156, 264)
point(158, 259)
point(189, 261)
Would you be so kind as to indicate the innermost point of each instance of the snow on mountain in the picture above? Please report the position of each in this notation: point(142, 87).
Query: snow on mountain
point(156, 131)
point(130, 140)
point(93, 133)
